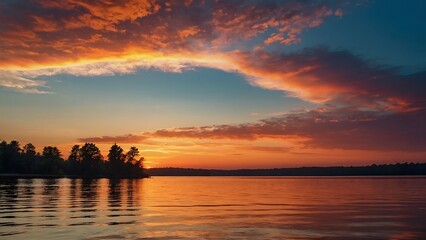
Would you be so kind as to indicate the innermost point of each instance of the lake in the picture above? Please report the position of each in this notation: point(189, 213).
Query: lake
point(214, 208)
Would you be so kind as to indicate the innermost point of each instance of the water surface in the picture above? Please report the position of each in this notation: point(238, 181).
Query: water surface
point(214, 208)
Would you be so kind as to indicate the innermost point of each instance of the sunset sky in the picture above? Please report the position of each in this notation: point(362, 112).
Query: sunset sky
point(218, 84)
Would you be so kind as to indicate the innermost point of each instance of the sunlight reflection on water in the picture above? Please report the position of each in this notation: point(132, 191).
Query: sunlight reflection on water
point(214, 208)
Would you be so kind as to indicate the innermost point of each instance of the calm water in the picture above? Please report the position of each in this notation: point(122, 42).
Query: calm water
point(214, 208)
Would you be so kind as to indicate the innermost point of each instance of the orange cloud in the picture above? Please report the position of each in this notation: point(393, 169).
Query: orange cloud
point(322, 128)
point(266, 149)
point(98, 15)
point(80, 30)
point(366, 107)
point(83, 37)
point(333, 77)
point(129, 138)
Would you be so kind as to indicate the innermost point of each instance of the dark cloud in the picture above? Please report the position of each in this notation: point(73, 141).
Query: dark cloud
point(335, 77)
point(328, 128)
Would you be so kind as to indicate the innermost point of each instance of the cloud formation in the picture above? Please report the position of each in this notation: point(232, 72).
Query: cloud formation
point(129, 138)
point(79, 37)
point(335, 77)
point(43, 32)
point(365, 106)
point(22, 84)
point(326, 128)
point(53, 37)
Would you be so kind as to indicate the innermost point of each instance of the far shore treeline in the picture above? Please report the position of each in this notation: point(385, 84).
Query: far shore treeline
point(372, 170)
point(84, 161)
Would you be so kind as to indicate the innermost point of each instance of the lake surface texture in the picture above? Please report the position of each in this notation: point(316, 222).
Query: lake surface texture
point(214, 208)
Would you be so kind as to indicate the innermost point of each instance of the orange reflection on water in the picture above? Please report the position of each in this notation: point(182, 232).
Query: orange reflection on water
point(214, 207)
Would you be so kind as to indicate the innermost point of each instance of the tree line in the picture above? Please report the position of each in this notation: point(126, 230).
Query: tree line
point(84, 161)
point(372, 170)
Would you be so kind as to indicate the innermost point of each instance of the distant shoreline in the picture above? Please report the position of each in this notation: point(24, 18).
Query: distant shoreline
point(399, 169)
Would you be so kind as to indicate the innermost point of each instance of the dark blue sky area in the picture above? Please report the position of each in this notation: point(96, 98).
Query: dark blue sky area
point(391, 32)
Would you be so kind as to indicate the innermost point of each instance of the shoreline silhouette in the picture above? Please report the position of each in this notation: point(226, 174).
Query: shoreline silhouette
point(372, 170)
point(83, 162)
point(87, 162)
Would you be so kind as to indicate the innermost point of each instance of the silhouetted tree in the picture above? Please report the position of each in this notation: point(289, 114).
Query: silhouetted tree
point(122, 165)
point(14, 145)
point(29, 149)
point(51, 152)
point(10, 157)
point(85, 161)
point(51, 161)
point(134, 165)
point(29, 159)
point(74, 161)
point(91, 160)
point(132, 154)
point(116, 160)
point(3, 159)
point(75, 154)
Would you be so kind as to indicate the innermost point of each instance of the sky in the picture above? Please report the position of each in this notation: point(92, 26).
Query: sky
point(218, 84)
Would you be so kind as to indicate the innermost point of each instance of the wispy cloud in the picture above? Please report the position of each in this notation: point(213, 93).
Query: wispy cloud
point(334, 77)
point(129, 138)
point(265, 149)
point(22, 84)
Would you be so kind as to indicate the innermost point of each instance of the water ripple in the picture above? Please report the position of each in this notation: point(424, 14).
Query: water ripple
point(214, 208)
